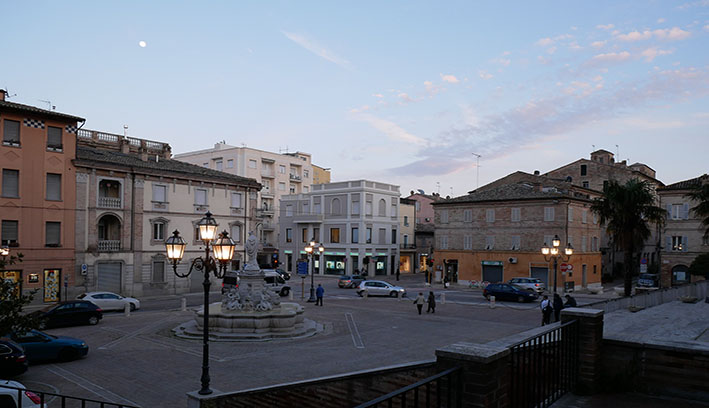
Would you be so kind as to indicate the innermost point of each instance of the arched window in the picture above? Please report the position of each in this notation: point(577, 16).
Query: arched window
point(109, 233)
point(382, 208)
point(335, 208)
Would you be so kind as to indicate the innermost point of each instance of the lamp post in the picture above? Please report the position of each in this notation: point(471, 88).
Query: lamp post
point(310, 250)
point(4, 252)
point(554, 253)
point(223, 249)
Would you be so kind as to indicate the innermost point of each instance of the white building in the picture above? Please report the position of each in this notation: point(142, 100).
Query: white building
point(356, 221)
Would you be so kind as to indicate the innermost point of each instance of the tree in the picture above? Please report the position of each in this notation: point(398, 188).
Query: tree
point(700, 194)
point(12, 301)
point(700, 266)
point(627, 210)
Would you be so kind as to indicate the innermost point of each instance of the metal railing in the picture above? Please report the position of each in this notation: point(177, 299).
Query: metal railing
point(45, 398)
point(444, 389)
point(545, 367)
point(109, 245)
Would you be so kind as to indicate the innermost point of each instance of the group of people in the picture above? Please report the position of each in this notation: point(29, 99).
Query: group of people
point(548, 307)
point(420, 300)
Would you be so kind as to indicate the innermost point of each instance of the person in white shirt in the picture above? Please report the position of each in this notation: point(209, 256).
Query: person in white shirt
point(547, 310)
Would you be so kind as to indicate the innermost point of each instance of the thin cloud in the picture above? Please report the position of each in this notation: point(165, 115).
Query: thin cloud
point(393, 131)
point(598, 44)
point(611, 57)
point(652, 53)
point(484, 74)
point(450, 79)
point(317, 49)
point(668, 34)
point(605, 27)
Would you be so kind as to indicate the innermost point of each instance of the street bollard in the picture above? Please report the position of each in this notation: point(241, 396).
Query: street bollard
point(492, 302)
point(364, 294)
point(398, 295)
point(184, 304)
point(290, 295)
point(443, 298)
point(126, 309)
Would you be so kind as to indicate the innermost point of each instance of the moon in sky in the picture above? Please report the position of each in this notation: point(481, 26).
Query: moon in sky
point(142, 44)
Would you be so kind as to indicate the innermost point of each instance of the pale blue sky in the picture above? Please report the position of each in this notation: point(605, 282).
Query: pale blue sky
point(400, 91)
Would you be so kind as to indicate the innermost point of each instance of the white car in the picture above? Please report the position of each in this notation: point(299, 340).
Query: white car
point(110, 301)
point(380, 288)
point(8, 396)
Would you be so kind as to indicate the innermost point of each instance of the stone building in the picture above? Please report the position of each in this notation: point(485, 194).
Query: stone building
point(38, 197)
point(356, 221)
point(407, 245)
point(424, 228)
point(683, 235)
point(496, 234)
point(130, 196)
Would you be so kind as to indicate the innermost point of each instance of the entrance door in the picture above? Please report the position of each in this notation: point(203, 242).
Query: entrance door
point(492, 273)
point(540, 273)
point(109, 277)
point(452, 271)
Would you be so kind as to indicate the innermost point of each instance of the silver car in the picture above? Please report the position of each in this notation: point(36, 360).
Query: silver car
point(110, 300)
point(530, 284)
point(380, 288)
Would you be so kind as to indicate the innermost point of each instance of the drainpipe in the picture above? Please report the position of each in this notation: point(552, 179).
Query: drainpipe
point(132, 209)
point(243, 232)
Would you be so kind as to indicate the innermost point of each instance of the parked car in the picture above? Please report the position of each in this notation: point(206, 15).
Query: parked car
point(9, 393)
point(506, 291)
point(649, 280)
point(379, 288)
point(350, 281)
point(531, 284)
point(275, 282)
point(110, 300)
point(69, 313)
point(40, 346)
point(285, 275)
point(13, 360)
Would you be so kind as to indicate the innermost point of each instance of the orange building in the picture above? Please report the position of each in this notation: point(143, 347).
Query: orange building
point(38, 196)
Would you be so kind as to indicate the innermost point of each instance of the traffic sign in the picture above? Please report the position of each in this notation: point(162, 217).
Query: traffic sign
point(643, 261)
point(302, 268)
point(567, 267)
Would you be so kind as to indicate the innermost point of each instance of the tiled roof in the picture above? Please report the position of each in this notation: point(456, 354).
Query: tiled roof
point(508, 192)
point(18, 107)
point(686, 184)
point(87, 156)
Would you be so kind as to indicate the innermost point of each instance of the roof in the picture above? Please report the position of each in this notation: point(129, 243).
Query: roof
point(20, 108)
point(601, 151)
point(517, 191)
point(686, 184)
point(87, 156)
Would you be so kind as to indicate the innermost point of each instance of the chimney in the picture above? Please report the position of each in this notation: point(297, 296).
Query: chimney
point(2, 94)
point(536, 172)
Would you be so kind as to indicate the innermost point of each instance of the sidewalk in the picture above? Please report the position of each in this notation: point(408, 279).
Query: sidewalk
point(625, 400)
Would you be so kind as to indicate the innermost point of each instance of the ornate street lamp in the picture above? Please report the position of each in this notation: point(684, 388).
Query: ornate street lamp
point(4, 251)
point(553, 253)
point(223, 248)
point(310, 250)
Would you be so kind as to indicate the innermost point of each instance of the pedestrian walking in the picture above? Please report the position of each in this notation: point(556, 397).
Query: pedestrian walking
point(445, 282)
point(570, 301)
point(419, 301)
point(319, 292)
point(558, 305)
point(547, 310)
point(431, 303)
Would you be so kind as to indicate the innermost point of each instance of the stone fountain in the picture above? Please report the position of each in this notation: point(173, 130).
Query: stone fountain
point(250, 310)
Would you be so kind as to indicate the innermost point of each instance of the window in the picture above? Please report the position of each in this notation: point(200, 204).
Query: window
point(252, 164)
point(200, 196)
point(468, 215)
point(605, 185)
point(291, 188)
point(679, 243)
point(334, 235)
point(335, 206)
point(53, 234)
point(355, 207)
point(205, 165)
point(584, 184)
point(381, 239)
point(159, 193)
point(594, 244)
point(489, 242)
point(158, 231)
point(406, 220)
point(289, 210)
point(306, 174)
point(281, 186)
point(583, 243)
point(316, 234)
point(490, 215)
point(444, 216)
point(467, 242)
point(11, 133)
point(355, 235)
point(368, 237)
point(595, 218)
point(54, 138)
point(236, 200)
point(10, 183)
point(394, 201)
point(158, 271)
point(282, 169)
point(230, 164)
point(219, 165)
point(515, 242)
point(444, 242)
point(570, 213)
point(306, 189)
point(676, 211)
point(418, 206)
point(289, 234)
point(316, 208)
point(406, 240)
point(304, 235)
point(548, 240)
point(54, 187)
point(235, 232)
point(306, 208)
point(583, 169)
point(548, 213)
point(516, 214)
point(8, 234)
point(382, 208)
point(393, 236)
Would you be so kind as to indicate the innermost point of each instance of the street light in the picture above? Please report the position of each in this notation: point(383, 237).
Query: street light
point(553, 253)
point(310, 249)
point(223, 248)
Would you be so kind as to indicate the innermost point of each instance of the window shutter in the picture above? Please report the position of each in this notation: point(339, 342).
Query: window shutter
point(685, 211)
point(54, 186)
point(684, 244)
point(669, 210)
point(54, 137)
point(12, 132)
point(668, 243)
point(53, 233)
point(10, 183)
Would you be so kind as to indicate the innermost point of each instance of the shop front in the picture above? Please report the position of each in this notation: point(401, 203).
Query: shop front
point(335, 264)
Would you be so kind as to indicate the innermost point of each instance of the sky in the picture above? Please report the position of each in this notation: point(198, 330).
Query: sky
point(401, 92)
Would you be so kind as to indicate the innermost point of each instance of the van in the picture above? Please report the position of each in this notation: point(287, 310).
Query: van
point(275, 282)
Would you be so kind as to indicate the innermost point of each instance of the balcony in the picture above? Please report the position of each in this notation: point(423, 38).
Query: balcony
point(267, 192)
point(109, 202)
point(307, 218)
point(268, 174)
point(109, 245)
point(294, 177)
point(268, 227)
point(408, 246)
point(265, 211)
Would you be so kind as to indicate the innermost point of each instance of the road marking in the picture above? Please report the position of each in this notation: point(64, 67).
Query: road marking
point(356, 339)
point(135, 333)
point(89, 386)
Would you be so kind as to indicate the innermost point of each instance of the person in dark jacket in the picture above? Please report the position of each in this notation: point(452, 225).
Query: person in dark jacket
point(319, 292)
point(431, 302)
point(558, 305)
point(570, 301)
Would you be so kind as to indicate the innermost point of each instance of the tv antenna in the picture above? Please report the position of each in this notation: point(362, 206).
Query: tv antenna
point(438, 187)
point(477, 166)
point(49, 104)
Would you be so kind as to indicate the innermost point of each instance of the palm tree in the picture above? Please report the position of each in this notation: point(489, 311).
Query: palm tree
point(627, 210)
point(700, 194)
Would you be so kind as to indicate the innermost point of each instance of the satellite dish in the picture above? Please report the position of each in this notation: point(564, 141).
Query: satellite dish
point(420, 191)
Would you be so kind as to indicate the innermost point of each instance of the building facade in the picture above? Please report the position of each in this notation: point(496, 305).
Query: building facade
point(424, 230)
point(683, 234)
point(497, 234)
point(38, 197)
point(321, 175)
point(130, 197)
point(356, 221)
point(407, 231)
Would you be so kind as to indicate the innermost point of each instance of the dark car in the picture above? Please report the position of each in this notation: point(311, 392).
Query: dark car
point(285, 275)
point(40, 346)
point(70, 313)
point(13, 360)
point(350, 281)
point(506, 291)
point(649, 280)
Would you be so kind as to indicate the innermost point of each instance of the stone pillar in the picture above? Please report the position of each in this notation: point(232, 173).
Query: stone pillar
point(485, 376)
point(590, 332)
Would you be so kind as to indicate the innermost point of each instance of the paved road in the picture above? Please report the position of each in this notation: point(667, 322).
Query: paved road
point(136, 360)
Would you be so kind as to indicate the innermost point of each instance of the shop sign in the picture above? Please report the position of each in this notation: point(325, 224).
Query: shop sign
point(492, 263)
